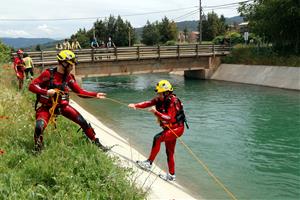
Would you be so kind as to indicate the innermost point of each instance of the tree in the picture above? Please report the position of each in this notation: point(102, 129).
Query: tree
point(212, 26)
point(123, 30)
point(38, 47)
point(185, 32)
point(82, 37)
point(115, 28)
point(150, 34)
point(276, 21)
point(167, 30)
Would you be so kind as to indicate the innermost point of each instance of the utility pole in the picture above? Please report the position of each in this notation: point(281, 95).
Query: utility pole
point(200, 22)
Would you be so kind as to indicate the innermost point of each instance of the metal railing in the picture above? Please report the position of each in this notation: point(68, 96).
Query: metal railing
point(133, 53)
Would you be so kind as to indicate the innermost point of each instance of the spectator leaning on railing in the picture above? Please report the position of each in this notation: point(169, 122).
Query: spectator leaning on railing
point(66, 45)
point(75, 44)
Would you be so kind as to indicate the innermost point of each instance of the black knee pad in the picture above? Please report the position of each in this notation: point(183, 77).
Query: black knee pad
point(39, 127)
point(83, 123)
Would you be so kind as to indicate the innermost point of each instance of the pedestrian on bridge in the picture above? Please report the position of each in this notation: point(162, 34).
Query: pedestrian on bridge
point(66, 45)
point(75, 44)
point(52, 88)
point(110, 43)
point(94, 43)
point(169, 111)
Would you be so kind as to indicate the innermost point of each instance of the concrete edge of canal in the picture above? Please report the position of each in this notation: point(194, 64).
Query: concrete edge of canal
point(272, 76)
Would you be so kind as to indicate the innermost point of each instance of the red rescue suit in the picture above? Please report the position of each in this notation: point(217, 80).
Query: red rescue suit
point(51, 79)
point(19, 67)
point(166, 113)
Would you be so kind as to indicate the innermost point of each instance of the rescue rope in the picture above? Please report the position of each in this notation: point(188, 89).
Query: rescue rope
point(55, 99)
point(204, 166)
point(230, 194)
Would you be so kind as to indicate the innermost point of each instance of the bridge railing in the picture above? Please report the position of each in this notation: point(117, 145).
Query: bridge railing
point(133, 53)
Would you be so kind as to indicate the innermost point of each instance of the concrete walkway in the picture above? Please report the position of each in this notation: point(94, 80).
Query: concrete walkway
point(149, 181)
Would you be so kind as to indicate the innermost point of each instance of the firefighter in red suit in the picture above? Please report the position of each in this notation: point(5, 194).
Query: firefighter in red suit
point(19, 67)
point(169, 111)
point(47, 86)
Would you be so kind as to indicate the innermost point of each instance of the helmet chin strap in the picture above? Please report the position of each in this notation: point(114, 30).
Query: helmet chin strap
point(166, 94)
point(65, 65)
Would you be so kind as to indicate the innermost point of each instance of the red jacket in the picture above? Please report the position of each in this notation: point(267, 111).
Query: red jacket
point(41, 84)
point(19, 64)
point(167, 110)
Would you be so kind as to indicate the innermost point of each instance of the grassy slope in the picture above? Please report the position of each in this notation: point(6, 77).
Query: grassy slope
point(69, 167)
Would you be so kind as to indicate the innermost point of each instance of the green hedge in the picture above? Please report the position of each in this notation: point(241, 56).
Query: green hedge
point(254, 55)
point(4, 53)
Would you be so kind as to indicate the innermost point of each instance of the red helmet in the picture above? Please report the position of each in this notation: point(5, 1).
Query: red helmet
point(20, 51)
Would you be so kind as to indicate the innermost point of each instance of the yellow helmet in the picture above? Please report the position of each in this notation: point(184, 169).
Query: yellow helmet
point(163, 86)
point(68, 56)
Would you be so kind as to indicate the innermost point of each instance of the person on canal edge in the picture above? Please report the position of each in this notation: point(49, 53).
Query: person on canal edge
point(169, 111)
point(52, 89)
point(19, 67)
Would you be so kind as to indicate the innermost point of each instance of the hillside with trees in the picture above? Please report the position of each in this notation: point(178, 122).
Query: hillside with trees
point(25, 42)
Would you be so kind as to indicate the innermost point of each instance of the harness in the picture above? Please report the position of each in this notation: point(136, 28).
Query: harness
point(52, 85)
point(180, 115)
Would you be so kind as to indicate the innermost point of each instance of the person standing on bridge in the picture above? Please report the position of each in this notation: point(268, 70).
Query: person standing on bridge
point(110, 43)
point(19, 67)
point(75, 44)
point(169, 111)
point(66, 45)
point(94, 43)
point(52, 89)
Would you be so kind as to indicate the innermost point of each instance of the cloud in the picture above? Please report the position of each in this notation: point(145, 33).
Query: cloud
point(14, 33)
point(46, 29)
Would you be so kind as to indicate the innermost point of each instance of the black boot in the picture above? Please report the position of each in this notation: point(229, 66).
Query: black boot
point(101, 146)
point(38, 143)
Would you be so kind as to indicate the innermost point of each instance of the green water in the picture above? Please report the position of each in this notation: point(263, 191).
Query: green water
point(249, 136)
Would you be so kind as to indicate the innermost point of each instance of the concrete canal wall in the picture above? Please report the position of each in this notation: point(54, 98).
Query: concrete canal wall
point(273, 76)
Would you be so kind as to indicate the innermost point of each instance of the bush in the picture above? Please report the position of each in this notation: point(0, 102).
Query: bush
point(219, 39)
point(255, 55)
point(170, 43)
point(4, 53)
point(230, 38)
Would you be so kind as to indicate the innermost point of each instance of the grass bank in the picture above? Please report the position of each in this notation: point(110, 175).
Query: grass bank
point(252, 55)
point(69, 167)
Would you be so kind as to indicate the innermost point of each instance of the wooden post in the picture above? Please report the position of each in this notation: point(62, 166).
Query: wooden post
point(158, 51)
point(138, 52)
point(213, 50)
point(197, 50)
point(116, 52)
point(92, 55)
point(178, 52)
point(42, 58)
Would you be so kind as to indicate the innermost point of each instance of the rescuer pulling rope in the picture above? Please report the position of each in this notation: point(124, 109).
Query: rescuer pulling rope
point(52, 88)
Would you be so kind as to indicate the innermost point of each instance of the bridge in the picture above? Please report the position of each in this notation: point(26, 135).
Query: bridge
point(198, 61)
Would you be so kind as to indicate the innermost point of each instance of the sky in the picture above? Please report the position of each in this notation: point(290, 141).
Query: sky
point(137, 12)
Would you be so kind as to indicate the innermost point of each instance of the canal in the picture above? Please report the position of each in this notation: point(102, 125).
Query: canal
point(249, 136)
